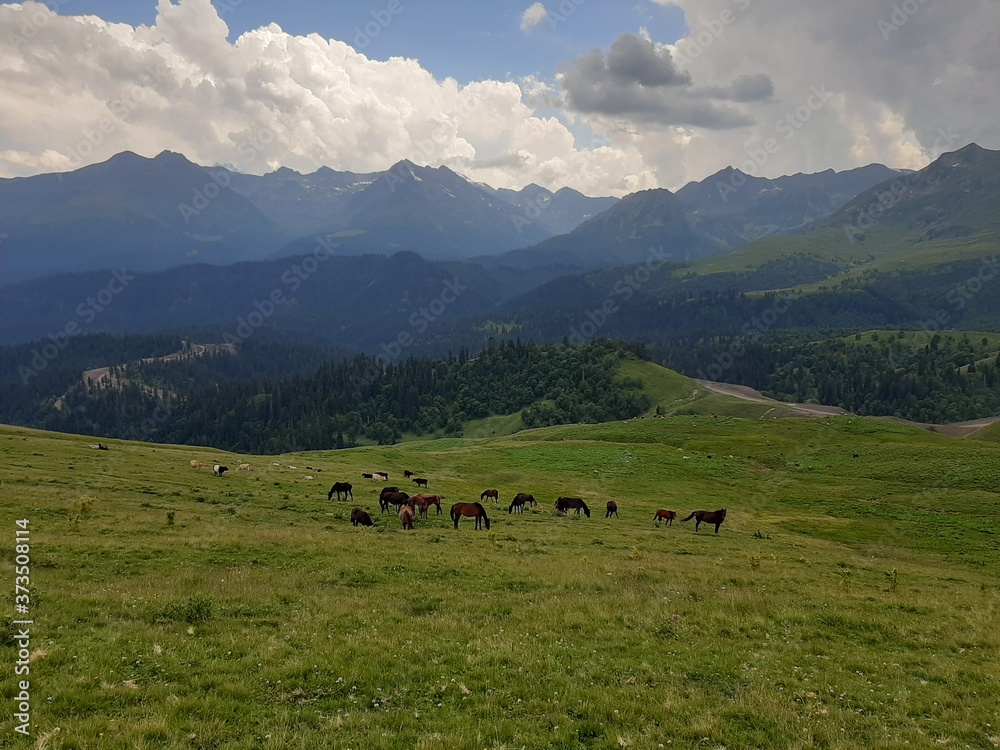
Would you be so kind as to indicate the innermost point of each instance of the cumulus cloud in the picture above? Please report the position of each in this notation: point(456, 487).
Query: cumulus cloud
point(533, 16)
point(78, 90)
point(638, 79)
point(830, 84)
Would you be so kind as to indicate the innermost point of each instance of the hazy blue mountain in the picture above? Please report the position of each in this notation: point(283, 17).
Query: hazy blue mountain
point(128, 211)
point(351, 301)
point(650, 223)
point(559, 212)
point(301, 204)
point(432, 211)
point(735, 207)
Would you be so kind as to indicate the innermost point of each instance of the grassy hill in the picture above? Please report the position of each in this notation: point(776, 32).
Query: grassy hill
point(849, 600)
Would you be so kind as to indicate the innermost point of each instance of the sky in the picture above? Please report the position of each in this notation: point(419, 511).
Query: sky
point(605, 96)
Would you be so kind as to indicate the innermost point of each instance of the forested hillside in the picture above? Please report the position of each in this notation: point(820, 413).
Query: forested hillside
point(915, 375)
point(352, 401)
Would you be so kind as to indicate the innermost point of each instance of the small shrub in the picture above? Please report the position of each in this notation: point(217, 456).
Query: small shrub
point(170, 518)
point(754, 561)
point(635, 554)
point(758, 535)
point(196, 609)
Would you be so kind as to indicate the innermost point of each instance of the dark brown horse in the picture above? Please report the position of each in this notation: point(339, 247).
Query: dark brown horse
point(341, 488)
point(665, 515)
point(707, 516)
point(396, 499)
point(493, 495)
point(612, 509)
point(564, 504)
point(407, 474)
point(472, 510)
point(423, 502)
point(406, 517)
point(419, 481)
point(361, 517)
point(381, 497)
point(520, 500)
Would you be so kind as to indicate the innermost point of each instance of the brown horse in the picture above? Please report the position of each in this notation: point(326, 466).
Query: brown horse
point(472, 510)
point(612, 509)
point(406, 517)
point(707, 516)
point(564, 504)
point(520, 500)
point(425, 501)
point(341, 488)
point(361, 517)
point(665, 515)
point(493, 495)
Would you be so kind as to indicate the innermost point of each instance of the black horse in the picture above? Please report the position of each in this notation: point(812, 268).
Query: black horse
point(341, 488)
point(612, 509)
point(564, 504)
point(520, 500)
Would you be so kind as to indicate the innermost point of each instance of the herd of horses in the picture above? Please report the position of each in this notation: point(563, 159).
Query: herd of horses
point(407, 507)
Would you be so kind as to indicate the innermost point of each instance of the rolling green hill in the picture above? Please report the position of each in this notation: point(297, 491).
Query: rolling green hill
point(849, 599)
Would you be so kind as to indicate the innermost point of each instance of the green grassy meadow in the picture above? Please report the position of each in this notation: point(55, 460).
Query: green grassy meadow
point(850, 600)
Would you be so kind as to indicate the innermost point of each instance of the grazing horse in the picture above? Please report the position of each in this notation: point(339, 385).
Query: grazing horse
point(420, 482)
point(493, 495)
point(612, 509)
point(361, 517)
point(381, 497)
point(425, 501)
point(707, 516)
point(341, 488)
point(407, 474)
point(406, 517)
point(665, 515)
point(520, 500)
point(564, 504)
point(473, 510)
point(396, 499)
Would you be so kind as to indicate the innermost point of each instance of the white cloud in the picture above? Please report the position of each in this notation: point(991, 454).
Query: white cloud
point(533, 16)
point(78, 90)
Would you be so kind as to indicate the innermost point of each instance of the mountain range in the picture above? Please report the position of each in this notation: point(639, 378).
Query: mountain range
point(152, 214)
point(211, 269)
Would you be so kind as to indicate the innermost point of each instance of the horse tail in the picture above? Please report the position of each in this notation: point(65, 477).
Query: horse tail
point(689, 517)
